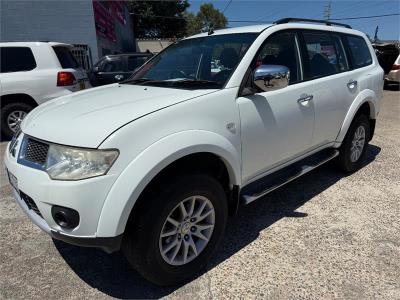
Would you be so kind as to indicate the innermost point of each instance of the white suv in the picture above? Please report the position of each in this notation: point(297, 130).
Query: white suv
point(32, 73)
point(154, 165)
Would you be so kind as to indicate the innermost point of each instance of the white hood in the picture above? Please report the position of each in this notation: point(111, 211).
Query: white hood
point(86, 118)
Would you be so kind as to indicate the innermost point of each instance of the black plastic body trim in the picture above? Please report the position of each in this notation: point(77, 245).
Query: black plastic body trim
point(107, 244)
point(270, 182)
point(234, 199)
point(372, 124)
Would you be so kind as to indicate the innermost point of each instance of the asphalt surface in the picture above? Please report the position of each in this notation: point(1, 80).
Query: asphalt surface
point(321, 236)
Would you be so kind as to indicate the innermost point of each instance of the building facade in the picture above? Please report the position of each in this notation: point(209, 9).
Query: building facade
point(97, 27)
point(153, 45)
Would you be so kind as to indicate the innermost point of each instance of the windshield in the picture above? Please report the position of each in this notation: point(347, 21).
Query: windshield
point(204, 62)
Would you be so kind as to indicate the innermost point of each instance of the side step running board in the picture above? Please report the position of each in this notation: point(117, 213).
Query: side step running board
point(267, 184)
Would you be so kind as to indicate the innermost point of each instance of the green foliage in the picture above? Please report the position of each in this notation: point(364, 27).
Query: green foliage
point(207, 17)
point(168, 19)
point(148, 23)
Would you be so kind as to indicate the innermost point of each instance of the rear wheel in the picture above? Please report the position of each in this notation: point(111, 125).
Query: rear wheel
point(354, 146)
point(177, 229)
point(11, 116)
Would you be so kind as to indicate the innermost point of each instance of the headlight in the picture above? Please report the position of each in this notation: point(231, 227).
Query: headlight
point(68, 163)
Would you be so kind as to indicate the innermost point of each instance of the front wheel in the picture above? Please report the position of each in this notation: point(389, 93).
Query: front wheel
point(354, 146)
point(11, 116)
point(177, 229)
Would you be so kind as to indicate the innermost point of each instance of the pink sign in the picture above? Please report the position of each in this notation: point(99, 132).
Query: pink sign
point(104, 22)
point(118, 11)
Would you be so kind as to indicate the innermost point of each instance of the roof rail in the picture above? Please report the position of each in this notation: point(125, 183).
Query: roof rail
point(326, 22)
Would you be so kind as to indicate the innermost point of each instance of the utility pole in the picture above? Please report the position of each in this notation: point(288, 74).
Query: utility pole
point(328, 11)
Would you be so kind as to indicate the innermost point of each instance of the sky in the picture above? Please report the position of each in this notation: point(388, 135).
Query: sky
point(265, 11)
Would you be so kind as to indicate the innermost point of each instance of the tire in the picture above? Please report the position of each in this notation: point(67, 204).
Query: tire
point(8, 110)
point(346, 161)
point(142, 242)
point(385, 84)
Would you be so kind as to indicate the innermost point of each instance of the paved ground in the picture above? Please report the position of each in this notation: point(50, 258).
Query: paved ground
point(322, 236)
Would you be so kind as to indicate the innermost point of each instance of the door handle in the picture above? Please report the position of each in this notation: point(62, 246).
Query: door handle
point(119, 77)
point(352, 84)
point(305, 98)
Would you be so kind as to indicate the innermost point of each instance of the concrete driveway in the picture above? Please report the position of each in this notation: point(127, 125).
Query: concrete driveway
point(322, 236)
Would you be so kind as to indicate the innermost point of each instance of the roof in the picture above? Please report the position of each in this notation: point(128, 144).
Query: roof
point(259, 28)
point(129, 54)
point(20, 44)
point(242, 29)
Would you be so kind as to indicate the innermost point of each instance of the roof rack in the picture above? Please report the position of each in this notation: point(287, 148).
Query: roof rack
point(326, 22)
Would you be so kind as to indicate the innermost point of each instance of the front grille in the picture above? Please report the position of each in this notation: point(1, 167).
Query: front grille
point(36, 151)
point(30, 203)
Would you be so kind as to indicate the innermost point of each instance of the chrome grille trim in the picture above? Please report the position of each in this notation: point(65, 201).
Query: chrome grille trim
point(36, 151)
point(33, 153)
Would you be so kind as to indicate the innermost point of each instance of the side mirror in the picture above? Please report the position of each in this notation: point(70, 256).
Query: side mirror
point(96, 69)
point(271, 77)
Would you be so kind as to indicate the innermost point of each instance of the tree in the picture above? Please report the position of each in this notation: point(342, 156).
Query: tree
point(207, 17)
point(160, 19)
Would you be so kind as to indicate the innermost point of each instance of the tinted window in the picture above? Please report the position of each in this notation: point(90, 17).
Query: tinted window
point(114, 65)
point(135, 61)
point(282, 49)
point(359, 50)
point(321, 54)
point(66, 58)
point(341, 54)
point(15, 59)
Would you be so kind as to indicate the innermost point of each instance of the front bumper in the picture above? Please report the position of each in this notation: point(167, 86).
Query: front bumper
point(85, 196)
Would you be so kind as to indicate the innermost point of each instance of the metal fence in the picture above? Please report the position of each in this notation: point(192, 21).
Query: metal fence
point(83, 55)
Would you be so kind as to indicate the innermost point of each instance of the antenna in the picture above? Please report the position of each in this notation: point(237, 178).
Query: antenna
point(328, 11)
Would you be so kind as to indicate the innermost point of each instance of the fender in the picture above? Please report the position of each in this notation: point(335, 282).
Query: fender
point(365, 96)
point(138, 174)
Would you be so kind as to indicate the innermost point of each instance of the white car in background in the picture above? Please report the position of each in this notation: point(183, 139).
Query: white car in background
point(32, 73)
point(394, 74)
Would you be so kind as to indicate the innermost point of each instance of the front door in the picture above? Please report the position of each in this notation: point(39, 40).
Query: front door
point(276, 126)
point(111, 71)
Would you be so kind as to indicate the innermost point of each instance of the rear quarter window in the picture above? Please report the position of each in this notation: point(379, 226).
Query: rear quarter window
point(16, 59)
point(359, 51)
point(66, 58)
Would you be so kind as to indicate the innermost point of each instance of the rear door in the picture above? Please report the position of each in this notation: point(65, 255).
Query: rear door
point(334, 86)
point(111, 71)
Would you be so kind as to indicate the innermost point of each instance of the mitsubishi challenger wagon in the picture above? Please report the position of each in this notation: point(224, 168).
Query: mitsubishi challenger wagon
point(154, 165)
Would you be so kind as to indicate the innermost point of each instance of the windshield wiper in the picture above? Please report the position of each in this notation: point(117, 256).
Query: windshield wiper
point(197, 82)
point(147, 81)
point(171, 83)
point(135, 81)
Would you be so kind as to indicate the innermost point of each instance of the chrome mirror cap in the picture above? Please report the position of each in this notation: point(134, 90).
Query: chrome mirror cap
point(271, 77)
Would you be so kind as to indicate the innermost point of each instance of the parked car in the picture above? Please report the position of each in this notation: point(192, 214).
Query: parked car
point(32, 73)
point(394, 73)
point(157, 170)
point(116, 68)
point(388, 56)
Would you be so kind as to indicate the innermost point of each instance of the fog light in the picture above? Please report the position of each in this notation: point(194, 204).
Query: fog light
point(65, 217)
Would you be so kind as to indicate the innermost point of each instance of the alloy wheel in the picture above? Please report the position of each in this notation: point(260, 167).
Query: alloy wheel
point(357, 144)
point(187, 230)
point(15, 118)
